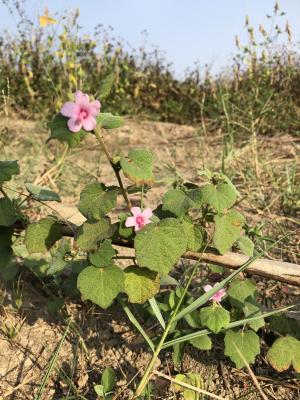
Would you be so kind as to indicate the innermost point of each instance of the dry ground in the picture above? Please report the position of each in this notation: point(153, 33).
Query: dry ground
point(262, 172)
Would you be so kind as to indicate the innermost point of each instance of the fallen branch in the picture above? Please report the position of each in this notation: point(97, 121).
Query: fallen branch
point(276, 270)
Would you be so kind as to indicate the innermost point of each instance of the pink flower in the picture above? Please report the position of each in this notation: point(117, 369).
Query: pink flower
point(82, 113)
point(217, 296)
point(140, 218)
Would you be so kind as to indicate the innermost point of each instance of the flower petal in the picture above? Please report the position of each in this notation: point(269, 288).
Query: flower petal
point(137, 227)
point(94, 108)
point(89, 123)
point(74, 124)
point(70, 109)
point(130, 221)
point(81, 98)
point(147, 213)
point(207, 288)
point(136, 211)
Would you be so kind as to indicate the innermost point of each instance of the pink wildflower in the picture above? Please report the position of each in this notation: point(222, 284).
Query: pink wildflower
point(140, 218)
point(217, 296)
point(82, 113)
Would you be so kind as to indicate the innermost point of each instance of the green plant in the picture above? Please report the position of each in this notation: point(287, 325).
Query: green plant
point(190, 218)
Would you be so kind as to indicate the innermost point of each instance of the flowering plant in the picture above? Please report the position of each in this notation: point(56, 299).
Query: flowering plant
point(189, 220)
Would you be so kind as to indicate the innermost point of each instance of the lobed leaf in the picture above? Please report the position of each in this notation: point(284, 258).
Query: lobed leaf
point(8, 169)
point(239, 290)
point(245, 342)
point(159, 246)
point(138, 166)
point(141, 284)
point(8, 215)
point(92, 232)
point(284, 353)
point(176, 201)
point(109, 121)
point(59, 130)
point(42, 193)
point(227, 230)
point(214, 317)
point(41, 236)
point(96, 200)
point(103, 256)
point(202, 342)
point(101, 285)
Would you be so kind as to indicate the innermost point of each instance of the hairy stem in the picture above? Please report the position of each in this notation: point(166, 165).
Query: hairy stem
point(115, 168)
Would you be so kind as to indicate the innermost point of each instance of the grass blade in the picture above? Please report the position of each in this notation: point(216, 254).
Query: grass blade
point(52, 363)
point(156, 310)
point(137, 325)
point(231, 325)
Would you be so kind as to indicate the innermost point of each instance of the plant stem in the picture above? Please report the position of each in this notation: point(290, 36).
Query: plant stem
point(150, 366)
point(113, 165)
point(142, 197)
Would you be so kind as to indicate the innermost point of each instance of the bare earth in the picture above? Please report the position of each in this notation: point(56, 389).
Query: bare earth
point(98, 338)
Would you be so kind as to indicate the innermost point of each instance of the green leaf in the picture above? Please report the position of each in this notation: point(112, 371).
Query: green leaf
point(284, 325)
point(109, 121)
point(192, 379)
point(246, 245)
point(214, 317)
point(5, 236)
point(58, 262)
point(239, 290)
point(5, 257)
point(108, 380)
point(138, 166)
point(41, 236)
point(42, 193)
point(227, 230)
point(106, 86)
point(201, 342)
point(8, 215)
point(123, 230)
point(8, 169)
point(101, 285)
point(96, 200)
point(247, 343)
point(91, 233)
point(141, 284)
point(176, 201)
point(99, 390)
point(59, 130)
point(9, 271)
point(159, 247)
point(194, 234)
point(252, 309)
point(284, 353)
point(220, 196)
point(102, 257)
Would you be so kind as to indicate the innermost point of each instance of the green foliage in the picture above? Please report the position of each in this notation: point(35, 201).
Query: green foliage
point(58, 262)
point(228, 228)
point(7, 170)
point(101, 285)
point(96, 200)
point(108, 383)
point(214, 317)
point(109, 121)
point(41, 236)
point(192, 379)
point(8, 214)
point(159, 246)
point(202, 342)
point(252, 309)
point(176, 201)
point(141, 284)
point(241, 342)
point(138, 166)
point(42, 193)
point(284, 353)
point(103, 256)
point(194, 233)
point(240, 289)
point(284, 325)
point(246, 245)
point(59, 130)
point(220, 196)
point(91, 233)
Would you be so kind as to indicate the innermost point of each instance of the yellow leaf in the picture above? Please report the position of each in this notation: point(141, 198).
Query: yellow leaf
point(45, 19)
